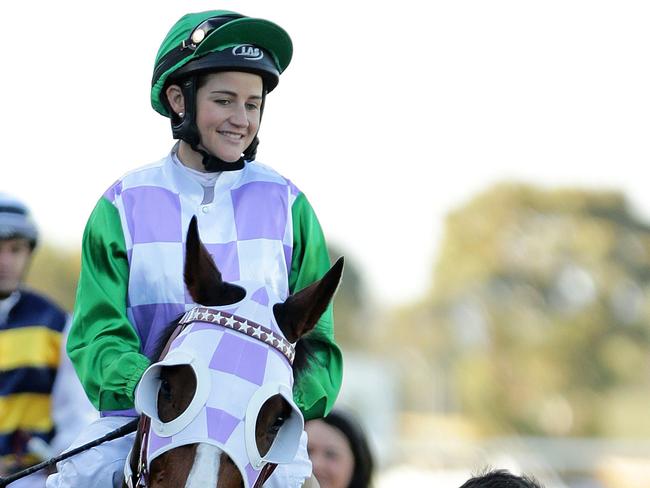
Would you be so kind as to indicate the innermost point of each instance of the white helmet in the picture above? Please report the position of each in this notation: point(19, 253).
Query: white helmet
point(16, 220)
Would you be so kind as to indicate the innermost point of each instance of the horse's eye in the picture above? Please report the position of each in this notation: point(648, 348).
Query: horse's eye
point(277, 424)
point(165, 388)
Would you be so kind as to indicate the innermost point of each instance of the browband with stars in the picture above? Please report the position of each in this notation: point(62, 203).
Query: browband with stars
point(244, 326)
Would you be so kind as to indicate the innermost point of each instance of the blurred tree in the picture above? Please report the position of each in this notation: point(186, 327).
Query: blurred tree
point(540, 313)
point(349, 304)
point(55, 271)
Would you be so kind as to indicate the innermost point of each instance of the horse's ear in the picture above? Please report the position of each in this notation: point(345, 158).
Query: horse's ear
point(202, 277)
point(300, 312)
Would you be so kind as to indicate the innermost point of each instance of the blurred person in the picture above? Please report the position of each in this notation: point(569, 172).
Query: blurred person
point(42, 404)
point(211, 78)
point(339, 451)
point(501, 479)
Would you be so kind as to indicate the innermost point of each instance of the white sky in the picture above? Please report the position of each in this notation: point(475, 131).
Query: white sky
point(390, 115)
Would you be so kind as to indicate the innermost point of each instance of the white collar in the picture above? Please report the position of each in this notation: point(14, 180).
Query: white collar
point(201, 177)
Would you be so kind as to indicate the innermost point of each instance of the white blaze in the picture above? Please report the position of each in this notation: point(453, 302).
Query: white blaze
point(205, 470)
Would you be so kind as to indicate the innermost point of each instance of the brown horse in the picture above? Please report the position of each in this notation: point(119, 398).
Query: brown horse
point(172, 395)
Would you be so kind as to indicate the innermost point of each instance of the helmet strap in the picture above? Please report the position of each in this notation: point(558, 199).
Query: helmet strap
point(213, 164)
point(186, 129)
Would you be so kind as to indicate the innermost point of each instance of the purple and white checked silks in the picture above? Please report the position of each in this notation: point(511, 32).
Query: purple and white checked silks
point(246, 227)
point(236, 373)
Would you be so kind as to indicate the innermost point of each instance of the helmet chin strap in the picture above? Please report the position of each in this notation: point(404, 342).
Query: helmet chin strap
point(187, 130)
point(212, 163)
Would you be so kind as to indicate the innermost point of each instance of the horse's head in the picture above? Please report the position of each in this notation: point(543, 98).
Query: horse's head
point(220, 399)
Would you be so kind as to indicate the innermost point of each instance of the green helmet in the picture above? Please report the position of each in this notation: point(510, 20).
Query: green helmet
point(219, 40)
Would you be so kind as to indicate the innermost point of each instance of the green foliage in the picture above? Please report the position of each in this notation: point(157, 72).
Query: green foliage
point(542, 299)
point(54, 271)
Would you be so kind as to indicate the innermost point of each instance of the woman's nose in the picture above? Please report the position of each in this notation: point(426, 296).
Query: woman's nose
point(239, 117)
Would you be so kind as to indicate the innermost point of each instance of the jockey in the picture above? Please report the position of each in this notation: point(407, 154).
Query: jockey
point(39, 391)
point(211, 77)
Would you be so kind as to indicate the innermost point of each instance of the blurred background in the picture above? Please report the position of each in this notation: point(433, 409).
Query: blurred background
point(481, 164)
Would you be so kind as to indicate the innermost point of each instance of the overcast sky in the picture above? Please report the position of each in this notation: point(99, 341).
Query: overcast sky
point(390, 115)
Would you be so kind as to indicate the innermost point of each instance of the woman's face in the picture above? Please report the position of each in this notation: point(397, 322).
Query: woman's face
point(330, 454)
point(228, 112)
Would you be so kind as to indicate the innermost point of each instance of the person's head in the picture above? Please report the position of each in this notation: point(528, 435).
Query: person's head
point(500, 479)
point(211, 77)
point(339, 451)
point(18, 237)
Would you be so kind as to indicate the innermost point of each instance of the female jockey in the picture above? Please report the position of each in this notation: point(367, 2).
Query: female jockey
point(211, 77)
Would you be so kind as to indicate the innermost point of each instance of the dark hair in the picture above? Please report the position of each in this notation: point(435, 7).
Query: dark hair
point(501, 479)
point(363, 461)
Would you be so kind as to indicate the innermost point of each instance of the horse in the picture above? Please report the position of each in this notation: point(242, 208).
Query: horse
point(212, 413)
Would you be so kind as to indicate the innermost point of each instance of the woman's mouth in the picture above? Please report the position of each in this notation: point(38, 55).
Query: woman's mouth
point(231, 135)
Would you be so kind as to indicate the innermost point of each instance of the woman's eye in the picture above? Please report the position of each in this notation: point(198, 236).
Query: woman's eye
point(252, 106)
point(222, 101)
point(331, 454)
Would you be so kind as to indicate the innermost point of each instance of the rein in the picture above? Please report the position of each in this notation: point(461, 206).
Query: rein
point(120, 432)
point(140, 477)
point(140, 424)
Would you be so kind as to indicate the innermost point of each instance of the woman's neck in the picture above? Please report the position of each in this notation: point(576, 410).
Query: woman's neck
point(189, 157)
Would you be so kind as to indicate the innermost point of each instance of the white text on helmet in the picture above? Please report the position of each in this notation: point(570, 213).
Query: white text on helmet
point(247, 51)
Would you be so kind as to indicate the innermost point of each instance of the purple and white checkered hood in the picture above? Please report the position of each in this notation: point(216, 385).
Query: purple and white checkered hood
point(235, 375)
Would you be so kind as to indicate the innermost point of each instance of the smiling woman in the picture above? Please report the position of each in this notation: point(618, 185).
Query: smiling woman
point(211, 77)
point(228, 112)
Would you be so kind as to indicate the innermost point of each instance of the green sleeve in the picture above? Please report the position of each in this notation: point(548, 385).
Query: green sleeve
point(103, 345)
point(315, 391)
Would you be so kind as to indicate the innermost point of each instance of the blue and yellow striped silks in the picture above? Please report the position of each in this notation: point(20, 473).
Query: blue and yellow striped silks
point(30, 344)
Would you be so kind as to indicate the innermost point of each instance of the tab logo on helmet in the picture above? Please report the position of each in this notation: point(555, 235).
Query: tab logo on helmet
point(248, 51)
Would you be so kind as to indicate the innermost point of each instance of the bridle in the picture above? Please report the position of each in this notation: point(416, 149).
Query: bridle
point(140, 478)
point(242, 325)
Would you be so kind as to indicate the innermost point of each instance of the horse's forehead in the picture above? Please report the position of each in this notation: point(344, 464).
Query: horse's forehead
point(233, 353)
point(228, 346)
point(257, 305)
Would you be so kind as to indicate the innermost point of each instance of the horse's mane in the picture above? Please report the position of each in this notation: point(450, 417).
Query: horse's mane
point(164, 337)
point(304, 352)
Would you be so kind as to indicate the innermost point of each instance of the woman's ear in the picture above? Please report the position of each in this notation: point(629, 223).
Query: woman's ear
point(175, 98)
